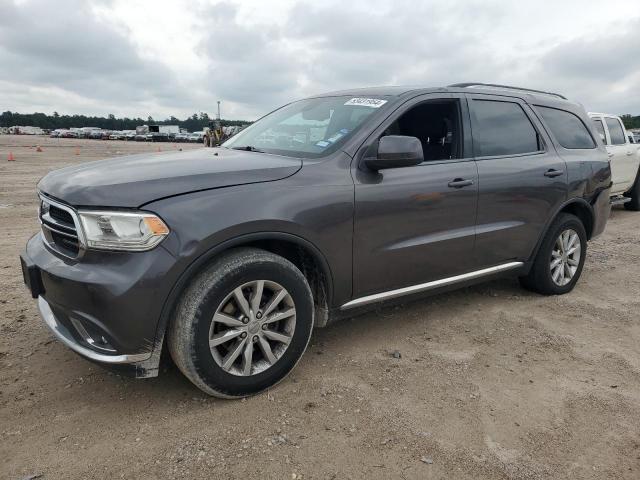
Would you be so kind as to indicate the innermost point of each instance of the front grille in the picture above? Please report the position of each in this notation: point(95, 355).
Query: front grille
point(59, 227)
point(61, 215)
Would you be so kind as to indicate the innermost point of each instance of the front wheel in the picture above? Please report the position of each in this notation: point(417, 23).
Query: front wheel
point(559, 262)
point(242, 324)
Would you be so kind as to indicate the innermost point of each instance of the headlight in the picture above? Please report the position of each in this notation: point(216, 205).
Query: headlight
point(133, 232)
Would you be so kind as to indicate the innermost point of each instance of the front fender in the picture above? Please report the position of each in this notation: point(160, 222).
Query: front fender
point(203, 224)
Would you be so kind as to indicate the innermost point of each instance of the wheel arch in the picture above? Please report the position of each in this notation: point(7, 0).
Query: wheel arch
point(299, 251)
point(583, 210)
point(575, 206)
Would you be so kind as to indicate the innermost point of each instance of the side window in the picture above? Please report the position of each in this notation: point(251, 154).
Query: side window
point(568, 129)
point(615, 131)
point(600, 128)
point(436, 124)
point(502, 128)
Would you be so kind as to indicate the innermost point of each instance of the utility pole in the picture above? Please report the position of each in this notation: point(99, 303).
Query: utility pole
point(218, 125)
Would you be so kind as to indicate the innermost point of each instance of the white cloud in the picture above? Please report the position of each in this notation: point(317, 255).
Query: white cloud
point(136, 58)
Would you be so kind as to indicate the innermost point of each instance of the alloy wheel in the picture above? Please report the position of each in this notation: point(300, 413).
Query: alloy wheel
point(565, 257)
point(252, 327)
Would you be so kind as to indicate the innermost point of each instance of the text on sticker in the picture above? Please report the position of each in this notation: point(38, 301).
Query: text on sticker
point(366, 102)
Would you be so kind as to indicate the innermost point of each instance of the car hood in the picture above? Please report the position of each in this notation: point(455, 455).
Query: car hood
point(135, 180)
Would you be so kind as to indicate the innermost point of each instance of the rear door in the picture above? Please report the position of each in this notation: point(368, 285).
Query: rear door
point(522, 179)
point(624, 165)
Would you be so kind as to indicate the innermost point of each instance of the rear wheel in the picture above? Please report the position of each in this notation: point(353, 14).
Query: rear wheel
point(634, 194)
point(242, 324)
point(559, 262)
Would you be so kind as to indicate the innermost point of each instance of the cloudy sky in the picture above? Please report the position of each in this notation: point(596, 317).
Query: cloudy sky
point(161, 58)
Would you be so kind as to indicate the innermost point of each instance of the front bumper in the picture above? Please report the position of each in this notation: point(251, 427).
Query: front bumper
point(64, 335)
point(106, 307)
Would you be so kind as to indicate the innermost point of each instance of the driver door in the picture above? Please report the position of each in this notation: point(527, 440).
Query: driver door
point(417, 224)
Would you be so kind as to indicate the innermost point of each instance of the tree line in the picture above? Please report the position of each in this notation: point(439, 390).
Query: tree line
point(194, 123)
point(631, 121)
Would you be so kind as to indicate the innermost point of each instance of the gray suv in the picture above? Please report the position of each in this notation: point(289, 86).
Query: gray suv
point(230, 256)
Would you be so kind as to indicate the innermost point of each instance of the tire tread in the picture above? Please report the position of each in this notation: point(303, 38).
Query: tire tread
point(539, 279)
point(181, 329)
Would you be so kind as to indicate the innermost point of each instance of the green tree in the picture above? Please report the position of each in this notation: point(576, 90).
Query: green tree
point(193, 123)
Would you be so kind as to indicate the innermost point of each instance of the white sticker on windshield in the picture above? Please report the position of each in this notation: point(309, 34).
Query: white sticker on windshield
point(366, 102)
point(335, 138)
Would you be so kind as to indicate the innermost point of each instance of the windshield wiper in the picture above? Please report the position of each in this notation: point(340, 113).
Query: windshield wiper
point(248, 148)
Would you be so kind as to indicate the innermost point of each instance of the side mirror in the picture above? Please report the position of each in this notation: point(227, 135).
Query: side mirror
point(395, 151)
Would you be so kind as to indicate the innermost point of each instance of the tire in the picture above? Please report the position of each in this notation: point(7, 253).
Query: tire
point(212, 296)
point(634, 194)
point(560, 279)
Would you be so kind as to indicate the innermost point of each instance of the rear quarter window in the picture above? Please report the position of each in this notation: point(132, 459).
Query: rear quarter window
point(615, 131)
point(567, 128)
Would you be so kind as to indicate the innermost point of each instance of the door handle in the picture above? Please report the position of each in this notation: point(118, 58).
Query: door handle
point(460, 183)
point(629, 154)
point(609, 155)
point(552, 172)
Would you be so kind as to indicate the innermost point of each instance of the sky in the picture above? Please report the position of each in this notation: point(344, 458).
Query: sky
point(138, 58)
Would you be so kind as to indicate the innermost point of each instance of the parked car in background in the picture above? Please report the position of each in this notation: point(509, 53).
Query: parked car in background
point(624, 157)
point(85, 132)
point(114, 136)
point(373, 195)
point(130, 135)
point(68, 134)
point(182, 137)
point(196, 137)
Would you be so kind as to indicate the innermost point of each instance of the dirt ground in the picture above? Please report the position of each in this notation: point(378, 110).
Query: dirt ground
point(493, 381)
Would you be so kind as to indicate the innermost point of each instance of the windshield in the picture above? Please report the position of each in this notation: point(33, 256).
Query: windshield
point(308, 128)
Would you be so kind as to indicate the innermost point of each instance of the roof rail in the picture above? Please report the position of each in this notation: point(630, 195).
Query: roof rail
point(507, 87)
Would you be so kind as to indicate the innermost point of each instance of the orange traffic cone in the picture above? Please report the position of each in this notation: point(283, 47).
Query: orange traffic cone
point(10, 158)
point(38, 148)
point(159, 149)
point(77, 150)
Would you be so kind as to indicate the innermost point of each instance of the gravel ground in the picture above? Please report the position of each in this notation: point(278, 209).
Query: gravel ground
point(486, 382)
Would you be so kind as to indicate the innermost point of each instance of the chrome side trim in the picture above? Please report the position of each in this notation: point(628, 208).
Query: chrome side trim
point(423, 287)
point(65, 337)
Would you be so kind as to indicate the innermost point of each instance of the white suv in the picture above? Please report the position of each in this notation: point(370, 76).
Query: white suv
point(624, 157)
